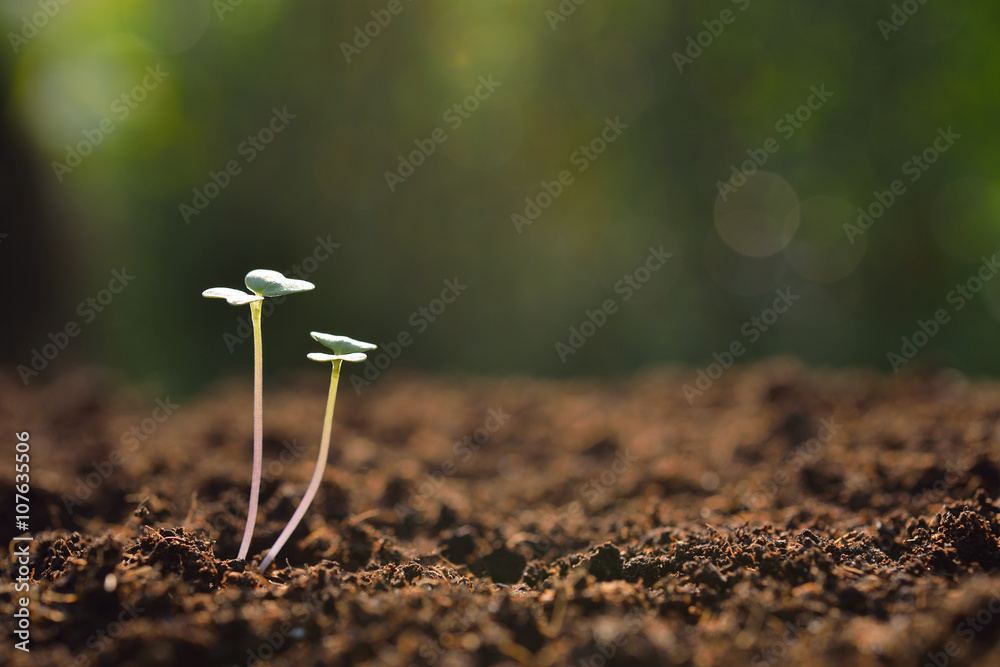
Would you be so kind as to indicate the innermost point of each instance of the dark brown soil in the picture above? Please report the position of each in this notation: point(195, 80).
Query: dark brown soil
point(789, 516)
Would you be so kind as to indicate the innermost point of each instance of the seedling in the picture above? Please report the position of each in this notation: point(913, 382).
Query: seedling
point(262, 283)
point(344, 349)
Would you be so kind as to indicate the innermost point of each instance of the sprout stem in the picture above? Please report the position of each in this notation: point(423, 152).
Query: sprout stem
point(324, 450)
point(258, 428)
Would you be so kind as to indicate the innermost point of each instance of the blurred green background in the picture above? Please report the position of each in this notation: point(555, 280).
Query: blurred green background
point(184, 87)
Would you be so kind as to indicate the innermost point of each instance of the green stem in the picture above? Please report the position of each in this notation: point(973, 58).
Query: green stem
point(258, 428)
point(324, 451)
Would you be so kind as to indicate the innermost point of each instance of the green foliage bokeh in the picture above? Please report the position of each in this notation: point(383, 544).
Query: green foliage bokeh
point(347, 113)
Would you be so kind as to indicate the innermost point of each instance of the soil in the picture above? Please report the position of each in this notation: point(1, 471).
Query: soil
point(786, 516)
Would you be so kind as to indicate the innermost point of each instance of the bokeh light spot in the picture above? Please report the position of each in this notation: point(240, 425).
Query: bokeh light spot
point(167, 27)
point(760, 218)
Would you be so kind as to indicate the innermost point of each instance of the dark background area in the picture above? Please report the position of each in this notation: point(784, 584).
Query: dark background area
point(225, 68)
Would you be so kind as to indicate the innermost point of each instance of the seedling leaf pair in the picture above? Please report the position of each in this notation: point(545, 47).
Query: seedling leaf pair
point(343, 348)
point(262, 283)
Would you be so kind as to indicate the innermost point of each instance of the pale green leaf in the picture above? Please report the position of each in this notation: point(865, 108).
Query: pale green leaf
point(233, 296)
point(342, 344)
point(323, 356)
point(272, 283)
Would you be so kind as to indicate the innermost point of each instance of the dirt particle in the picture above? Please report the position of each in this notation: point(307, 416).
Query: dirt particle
point(504, 566)
point(605, 563)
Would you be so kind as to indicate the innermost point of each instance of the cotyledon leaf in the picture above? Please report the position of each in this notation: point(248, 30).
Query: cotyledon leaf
point(233, 296)
point(322, 356)
point(265, 282)
point(341, 345)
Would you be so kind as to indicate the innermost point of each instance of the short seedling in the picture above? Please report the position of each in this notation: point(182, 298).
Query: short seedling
point(262, 283)
point(344, 349)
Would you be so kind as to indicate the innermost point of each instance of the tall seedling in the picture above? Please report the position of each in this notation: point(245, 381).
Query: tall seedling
point(261, 283)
